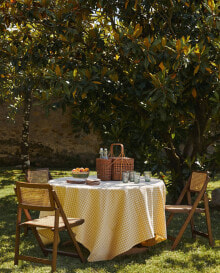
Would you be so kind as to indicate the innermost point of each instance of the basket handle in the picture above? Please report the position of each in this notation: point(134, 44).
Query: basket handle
point(117, 144)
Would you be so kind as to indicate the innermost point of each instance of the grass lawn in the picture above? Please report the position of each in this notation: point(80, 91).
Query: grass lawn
point(190, 256)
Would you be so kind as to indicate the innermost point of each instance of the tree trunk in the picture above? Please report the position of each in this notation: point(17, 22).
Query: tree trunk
point(175, 166)
point(25, 132)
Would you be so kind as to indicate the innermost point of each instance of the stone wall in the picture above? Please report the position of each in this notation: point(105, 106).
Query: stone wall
point(52, 141)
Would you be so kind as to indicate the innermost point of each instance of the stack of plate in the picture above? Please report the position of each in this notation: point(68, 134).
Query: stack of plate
point(93, 181)
point(76, 181)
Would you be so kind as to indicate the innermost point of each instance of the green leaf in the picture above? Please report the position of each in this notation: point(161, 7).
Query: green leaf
point(75, 73)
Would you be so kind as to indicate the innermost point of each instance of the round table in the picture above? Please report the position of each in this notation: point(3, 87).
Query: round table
point(117, 215)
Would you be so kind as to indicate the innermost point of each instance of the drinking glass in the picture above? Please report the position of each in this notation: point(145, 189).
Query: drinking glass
point(125, 177)
point(137, 178)
point(147, 176)
point(131, 176)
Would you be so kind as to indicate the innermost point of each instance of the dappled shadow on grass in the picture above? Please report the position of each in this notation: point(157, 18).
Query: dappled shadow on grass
point(195, 262)
point(8, 207)
point(199, 262)
point(196, 256)
point(5, 182)
point(8, 210)
point(10, 176)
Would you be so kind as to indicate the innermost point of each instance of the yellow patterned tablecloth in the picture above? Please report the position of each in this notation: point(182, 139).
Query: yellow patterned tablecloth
point(117, 215)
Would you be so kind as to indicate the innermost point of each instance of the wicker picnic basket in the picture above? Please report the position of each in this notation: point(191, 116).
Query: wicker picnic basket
point(104, 169)
point(112, 168)
point(120, 163)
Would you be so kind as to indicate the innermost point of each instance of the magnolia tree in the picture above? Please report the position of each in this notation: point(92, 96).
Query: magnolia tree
point(158, 91)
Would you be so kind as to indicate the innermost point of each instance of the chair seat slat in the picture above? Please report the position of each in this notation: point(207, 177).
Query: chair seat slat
point(182, 209)
point(48, 222)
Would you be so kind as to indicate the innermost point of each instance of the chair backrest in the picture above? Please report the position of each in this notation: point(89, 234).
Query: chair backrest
point(35, 196)
point(197, 181)
point(46, 169)
point(38, 176)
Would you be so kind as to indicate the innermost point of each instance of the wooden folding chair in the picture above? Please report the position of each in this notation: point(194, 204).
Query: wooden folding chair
point(197, 183)
point(42, 197)
point(37, 176)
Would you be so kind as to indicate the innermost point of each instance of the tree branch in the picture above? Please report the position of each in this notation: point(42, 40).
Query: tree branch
point(168, 19)
point(172, 154)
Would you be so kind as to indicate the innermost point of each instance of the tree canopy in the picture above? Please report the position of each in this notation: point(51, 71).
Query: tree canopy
point(159, 91)
point(145, 73)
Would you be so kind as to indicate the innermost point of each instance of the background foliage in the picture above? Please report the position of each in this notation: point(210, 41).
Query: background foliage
point(144, 73)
